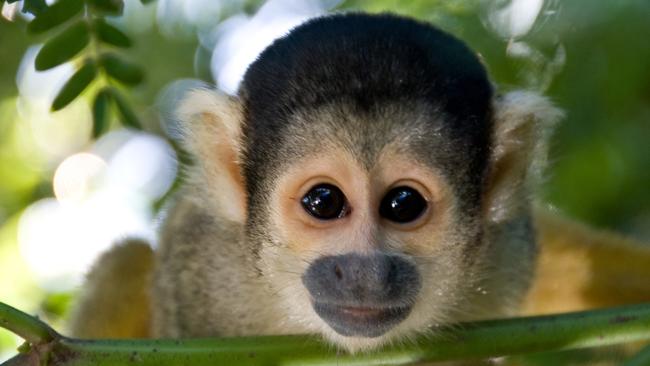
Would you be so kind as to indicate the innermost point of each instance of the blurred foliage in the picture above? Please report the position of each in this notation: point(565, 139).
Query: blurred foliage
point(591, 58)
point(25, 176)
point(85, 26)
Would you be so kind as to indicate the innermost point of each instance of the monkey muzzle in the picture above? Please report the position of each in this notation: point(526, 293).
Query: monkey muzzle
point(362, 295)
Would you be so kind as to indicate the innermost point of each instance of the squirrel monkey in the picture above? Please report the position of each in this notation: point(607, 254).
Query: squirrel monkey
point(366, 183)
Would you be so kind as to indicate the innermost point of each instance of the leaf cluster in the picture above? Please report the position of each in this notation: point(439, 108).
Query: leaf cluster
point(78, 30)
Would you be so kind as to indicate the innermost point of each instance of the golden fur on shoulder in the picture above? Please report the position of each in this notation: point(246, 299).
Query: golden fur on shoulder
point(115, 301)
point(582, 268)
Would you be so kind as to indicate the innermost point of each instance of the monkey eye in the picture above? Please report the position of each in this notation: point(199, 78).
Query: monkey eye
point(402, 204)
point(325, 202)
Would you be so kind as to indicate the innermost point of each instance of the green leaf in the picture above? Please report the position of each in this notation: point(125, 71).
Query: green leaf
point(34, 7)
point(146, 1)
point(56, 14)
point(77, 84)
point(63, 46)
point(126, 72)
point(111, 7)
point(11, 1)
point(111, 35)
point(100, 112)
point(127, 115)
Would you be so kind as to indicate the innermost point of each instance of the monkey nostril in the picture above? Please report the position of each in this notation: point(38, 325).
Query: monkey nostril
point(338, 272)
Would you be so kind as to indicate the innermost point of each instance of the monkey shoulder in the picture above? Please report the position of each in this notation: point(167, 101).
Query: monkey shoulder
point(205, 282)
point(580, 267)
point(115, 299)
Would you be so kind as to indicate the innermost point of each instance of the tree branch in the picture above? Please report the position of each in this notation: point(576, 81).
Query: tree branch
point(26, 326)
point(468, 340)
point(640, 359)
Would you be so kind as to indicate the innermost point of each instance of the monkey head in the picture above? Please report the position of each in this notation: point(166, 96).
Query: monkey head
point(382, 186)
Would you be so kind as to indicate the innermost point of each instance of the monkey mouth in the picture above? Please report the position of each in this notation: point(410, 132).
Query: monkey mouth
point(364, 321)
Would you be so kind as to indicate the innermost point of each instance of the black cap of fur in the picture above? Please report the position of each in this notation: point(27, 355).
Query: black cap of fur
point(365, 60)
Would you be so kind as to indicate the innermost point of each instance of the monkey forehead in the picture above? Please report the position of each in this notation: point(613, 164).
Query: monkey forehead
point(365, 135)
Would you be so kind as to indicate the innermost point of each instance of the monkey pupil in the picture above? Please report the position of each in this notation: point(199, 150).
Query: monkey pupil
point(402, 205)
point(325, 202)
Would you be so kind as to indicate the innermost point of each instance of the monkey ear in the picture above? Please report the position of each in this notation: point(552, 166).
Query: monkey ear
point(523, 122)
point(211, 127)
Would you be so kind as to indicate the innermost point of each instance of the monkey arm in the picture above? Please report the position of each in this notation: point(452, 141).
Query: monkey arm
point(578, 268)
point(581, 268)
point(115, 300)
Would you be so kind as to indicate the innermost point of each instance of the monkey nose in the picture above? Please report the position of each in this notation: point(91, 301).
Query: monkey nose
point(355, 278)
point(362, 294)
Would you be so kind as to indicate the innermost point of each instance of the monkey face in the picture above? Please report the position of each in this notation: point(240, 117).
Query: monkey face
point(364, 240)
point(365, 153)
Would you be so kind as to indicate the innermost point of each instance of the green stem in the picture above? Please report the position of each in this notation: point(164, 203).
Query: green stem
point(640, 359)
point(26, 326)
point(468, 340)
point(94, 50)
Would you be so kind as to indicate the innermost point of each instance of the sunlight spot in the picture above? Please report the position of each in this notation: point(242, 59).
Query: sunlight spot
point(76, 175)
point(59, 242)
point(241, 39)
point(144, 164)
point(9, 11)
point(516, 18)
